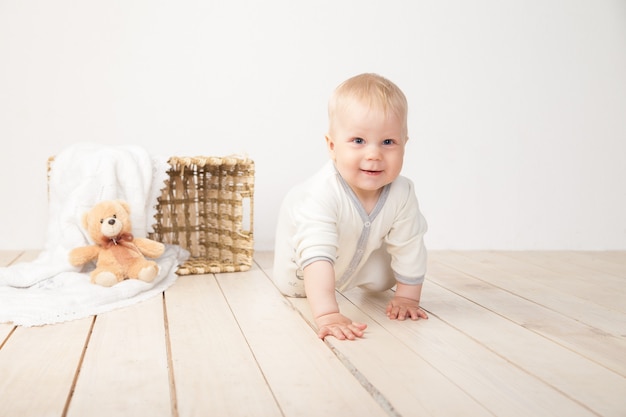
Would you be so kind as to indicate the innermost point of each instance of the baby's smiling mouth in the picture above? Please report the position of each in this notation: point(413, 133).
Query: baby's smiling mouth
point(370, 172)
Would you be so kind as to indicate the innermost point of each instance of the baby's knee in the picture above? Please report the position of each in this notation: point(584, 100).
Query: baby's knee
point(378, 286)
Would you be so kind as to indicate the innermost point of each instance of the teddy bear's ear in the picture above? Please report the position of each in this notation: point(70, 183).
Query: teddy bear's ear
point(84, 222)
point(124, 205)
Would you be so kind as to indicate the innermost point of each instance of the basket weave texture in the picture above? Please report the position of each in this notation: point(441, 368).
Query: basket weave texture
point(203, 208)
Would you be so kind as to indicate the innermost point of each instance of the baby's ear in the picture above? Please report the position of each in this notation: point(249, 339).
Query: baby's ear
point(331, 146)
point(329, 141)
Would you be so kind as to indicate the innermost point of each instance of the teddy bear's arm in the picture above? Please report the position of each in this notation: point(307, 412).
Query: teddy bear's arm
point(149, 247)
point(83, 255)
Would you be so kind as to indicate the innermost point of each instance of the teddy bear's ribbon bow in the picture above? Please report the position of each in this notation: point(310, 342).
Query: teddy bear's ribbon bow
point(107, 242)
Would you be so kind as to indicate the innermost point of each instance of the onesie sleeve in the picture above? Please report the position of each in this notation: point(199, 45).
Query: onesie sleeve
point(405, 240)
point(315, 237)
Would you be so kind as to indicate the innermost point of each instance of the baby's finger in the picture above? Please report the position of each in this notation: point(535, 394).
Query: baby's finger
point(323, 332)
point(356, 330)
point(418, 313)
point(392, 312)
point(335, 331)
point(342, 333)
point(403, 312)
point(359, 325)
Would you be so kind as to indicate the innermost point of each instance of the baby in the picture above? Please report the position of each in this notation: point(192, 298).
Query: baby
point(356, 223)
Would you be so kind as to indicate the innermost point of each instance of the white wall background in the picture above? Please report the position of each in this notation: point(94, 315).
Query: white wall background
point(517, 108)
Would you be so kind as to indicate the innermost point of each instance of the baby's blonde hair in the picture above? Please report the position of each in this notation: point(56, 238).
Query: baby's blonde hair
point(373, 90)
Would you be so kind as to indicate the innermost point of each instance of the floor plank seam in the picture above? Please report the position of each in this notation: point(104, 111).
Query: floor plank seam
point(530, 329)
point(70, 395)
point(254, 356)
point(520, 367)
point(14, 260)
point(478, 278)
point(6, 339)
point(170, 362)
point(380, 399)
point(440, 283)
point(506, 338)
point(378, 321)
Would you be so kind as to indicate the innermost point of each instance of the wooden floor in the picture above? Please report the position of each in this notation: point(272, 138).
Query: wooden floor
point(509, 334)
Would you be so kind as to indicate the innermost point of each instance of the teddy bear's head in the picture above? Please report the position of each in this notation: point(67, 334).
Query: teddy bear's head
point(108, 221)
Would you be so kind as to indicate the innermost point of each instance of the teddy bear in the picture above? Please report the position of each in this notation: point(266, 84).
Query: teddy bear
point(118, 254)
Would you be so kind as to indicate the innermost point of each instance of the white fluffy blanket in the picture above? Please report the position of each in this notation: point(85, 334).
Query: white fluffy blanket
point(49, 289)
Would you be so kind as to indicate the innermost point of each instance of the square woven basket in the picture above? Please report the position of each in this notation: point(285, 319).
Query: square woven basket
point(207, 208)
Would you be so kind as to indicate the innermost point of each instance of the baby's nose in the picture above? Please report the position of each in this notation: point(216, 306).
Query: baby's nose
point(373, 152)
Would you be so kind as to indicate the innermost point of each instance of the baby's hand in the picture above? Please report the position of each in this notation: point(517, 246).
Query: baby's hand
point(400, 308)
point(338, 325)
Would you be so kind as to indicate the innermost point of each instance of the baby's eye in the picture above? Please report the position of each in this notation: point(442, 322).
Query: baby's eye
point(358, 140)
point(388, 142)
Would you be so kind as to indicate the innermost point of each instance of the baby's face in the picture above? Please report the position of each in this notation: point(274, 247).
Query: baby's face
point(368, 149)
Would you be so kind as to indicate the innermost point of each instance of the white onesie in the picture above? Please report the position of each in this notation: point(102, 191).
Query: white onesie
point(322, 219)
